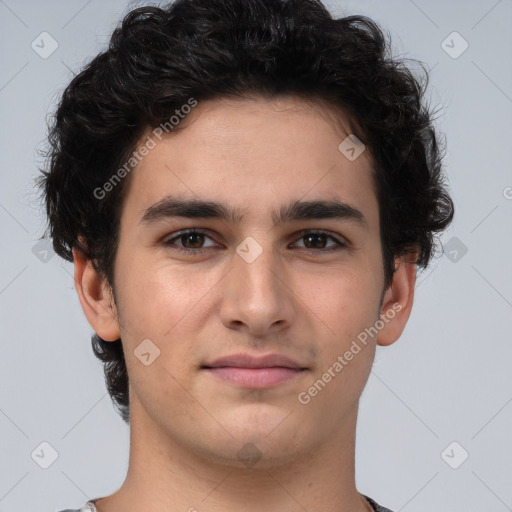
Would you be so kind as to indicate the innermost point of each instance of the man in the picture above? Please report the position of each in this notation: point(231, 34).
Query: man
point(246, 188)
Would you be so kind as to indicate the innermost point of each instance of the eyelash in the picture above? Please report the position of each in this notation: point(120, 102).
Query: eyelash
point(339, 244)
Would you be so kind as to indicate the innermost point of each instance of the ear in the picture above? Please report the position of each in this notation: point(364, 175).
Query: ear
point(96, 298)
point(398, 299)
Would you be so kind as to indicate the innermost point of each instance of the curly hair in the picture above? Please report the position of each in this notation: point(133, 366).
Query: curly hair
point(158, 58)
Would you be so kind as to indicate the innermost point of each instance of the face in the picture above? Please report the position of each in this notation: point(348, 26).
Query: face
point(258, 277)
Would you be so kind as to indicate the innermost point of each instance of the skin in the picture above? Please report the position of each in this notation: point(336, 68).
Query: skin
point(187, 426)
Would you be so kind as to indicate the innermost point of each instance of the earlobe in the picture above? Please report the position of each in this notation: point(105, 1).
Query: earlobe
point(397, 301)
point(96, 298)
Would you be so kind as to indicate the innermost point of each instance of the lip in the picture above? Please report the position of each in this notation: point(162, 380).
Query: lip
point(255, 372)
point(250, 361)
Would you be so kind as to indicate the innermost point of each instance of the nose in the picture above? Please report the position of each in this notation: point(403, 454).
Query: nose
point(256, 297)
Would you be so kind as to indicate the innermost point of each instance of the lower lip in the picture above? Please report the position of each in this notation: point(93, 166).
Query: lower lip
point(255, 378)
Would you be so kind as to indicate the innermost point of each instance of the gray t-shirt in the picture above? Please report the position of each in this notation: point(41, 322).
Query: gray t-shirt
point(89, 506)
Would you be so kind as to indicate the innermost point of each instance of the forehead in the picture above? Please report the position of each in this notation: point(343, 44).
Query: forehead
point(253, 153)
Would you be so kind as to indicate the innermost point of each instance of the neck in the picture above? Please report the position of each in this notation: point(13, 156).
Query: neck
point(163, 473)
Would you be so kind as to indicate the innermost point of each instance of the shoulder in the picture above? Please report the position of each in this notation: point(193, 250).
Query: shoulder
point(88, 507)
point(376, 507)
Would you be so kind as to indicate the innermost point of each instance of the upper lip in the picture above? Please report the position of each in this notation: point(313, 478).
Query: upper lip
point(250, 361)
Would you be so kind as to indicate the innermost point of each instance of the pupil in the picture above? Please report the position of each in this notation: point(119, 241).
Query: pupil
point(315, 238)
point(196, 240)
point(191, 237)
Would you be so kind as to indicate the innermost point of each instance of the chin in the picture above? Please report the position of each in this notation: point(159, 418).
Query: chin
point(253, 456)
point(258, 448)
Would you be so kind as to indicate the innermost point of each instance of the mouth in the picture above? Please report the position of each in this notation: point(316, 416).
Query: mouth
point(255, 378)
point(253, 372)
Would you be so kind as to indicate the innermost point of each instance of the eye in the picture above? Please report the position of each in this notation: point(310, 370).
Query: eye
point(192, 241)
point(316, 241)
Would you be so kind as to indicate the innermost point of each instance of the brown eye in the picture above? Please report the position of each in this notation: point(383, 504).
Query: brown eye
point(192, 240)
point(318, 241)
point(315, 241)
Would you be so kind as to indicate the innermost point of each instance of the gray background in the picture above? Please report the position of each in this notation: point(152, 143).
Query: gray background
point(448, 378)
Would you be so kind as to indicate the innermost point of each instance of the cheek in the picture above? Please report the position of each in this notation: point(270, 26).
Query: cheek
point(344, 300)
point(344, 305)
point(162, 304)
point(158, 299)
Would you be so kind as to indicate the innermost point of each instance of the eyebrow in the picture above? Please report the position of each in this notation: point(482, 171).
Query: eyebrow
point(170, 207)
